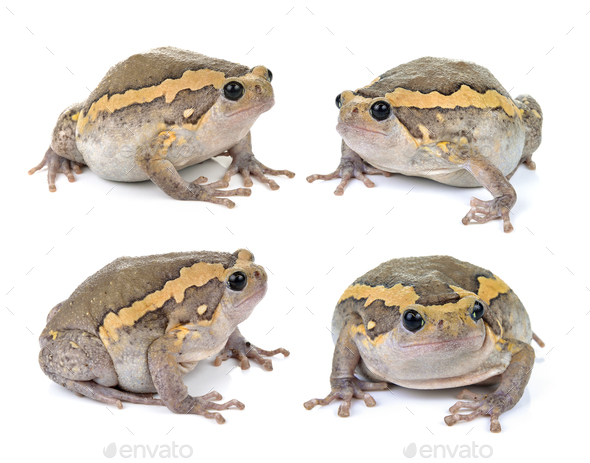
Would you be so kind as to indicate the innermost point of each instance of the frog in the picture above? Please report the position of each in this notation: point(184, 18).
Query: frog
point(140, 324)
point(158, 112)
point(431, 322)
point(447, 120)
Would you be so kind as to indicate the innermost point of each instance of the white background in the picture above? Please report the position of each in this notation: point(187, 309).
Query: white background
point(313, 243)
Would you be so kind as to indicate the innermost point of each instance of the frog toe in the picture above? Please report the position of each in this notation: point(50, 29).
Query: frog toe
point(57, 164)
point(481, 405)
point(484, 211)
point(346, 389)
point(237, 347)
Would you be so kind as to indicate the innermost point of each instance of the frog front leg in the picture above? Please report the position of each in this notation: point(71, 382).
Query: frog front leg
point(344, 384)
point(488, 175)
point(237, 347)
point(244, 162)
point(512, 384)
point(167, 376)
point(152, 159)
point(351, 165)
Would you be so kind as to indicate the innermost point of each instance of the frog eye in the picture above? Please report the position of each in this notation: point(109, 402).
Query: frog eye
point(269, 75)
point(339, 101)
point(477, 311)
point(237, 281)
point(412, 320)
point(233, 91)
point(380, 110)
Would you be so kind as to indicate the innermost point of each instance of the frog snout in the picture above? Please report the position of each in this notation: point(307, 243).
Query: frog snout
point(258, 89)
point(259, 274)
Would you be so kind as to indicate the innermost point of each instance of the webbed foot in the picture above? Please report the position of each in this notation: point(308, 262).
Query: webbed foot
point(351, 165)
point(247, 165)
point(345, 389)
point(493, 405)
point(57, 164)
point(237, 347)
point(211, 194)
point(201, 406)
point(484, 211)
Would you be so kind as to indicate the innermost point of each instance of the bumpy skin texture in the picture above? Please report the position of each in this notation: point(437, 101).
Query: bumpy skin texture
point(447, 120)
point(456, 345)
point(158, 112)
point(138, 325)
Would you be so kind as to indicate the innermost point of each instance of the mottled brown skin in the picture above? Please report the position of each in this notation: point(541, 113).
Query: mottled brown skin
point(453, 347)
point(450, 121)
point(158, 112)
point(138, 325)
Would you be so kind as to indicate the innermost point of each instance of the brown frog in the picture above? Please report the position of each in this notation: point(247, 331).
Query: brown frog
point(431, 323)
point(158, 112)
point(138, 325)
point(442, 119)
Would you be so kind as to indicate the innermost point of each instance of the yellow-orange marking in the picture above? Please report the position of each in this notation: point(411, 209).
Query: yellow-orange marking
point(399, 294)
point(464, 97)
point(196, 275)
point(193, 80)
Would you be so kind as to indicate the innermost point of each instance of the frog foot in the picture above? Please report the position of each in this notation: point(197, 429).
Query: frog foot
point(246, 164)
point(210, 192)
point(350, 166)
point(528, 161)
point(345, 389)
point(484, 211)
point(493, 405)
point(57, 164)
point(201, 406)
point(243, 350)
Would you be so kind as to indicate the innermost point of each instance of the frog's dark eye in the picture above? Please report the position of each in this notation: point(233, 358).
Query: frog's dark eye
point(380, 110)
point(339, 101)
point(269, 75)
point(237, 281)
point(412, 320)
point(477, 311)
point(233, 91)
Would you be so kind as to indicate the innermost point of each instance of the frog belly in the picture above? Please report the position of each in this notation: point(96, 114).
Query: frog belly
point(115, 160)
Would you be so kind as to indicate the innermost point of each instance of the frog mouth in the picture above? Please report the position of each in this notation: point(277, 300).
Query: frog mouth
point(452, 343)
point(256, 297)
point(265, 106)
point(342, 126)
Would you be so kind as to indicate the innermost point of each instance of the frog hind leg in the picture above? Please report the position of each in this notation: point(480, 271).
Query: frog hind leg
point(78, 361)
point(63, 155)
point(532, 116)
point(488, 175)
point(512, 384)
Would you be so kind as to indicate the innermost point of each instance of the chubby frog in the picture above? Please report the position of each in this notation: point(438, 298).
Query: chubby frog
point(431, 323)
point(138, 325)
point(446, 120)
point(158, 112)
